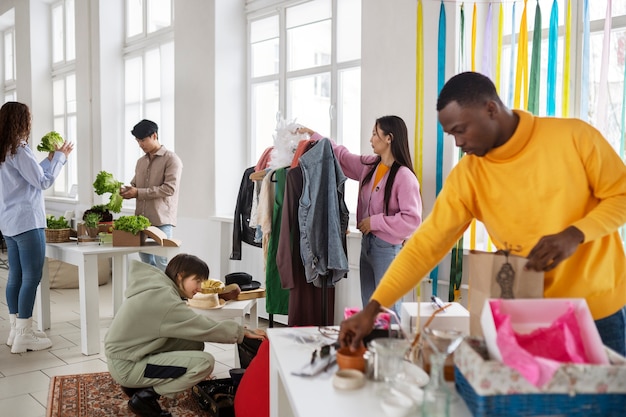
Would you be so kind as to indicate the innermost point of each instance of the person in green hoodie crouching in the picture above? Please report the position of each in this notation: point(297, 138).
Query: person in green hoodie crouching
point(155, 344)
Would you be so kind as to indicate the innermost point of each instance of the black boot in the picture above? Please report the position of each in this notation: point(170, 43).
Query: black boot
point(130, 391)
point(145, 403)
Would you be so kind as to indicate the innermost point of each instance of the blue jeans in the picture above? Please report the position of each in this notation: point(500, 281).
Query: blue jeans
point(26, 253)
point(376, 256)
point(154, 260)
point(612, 331)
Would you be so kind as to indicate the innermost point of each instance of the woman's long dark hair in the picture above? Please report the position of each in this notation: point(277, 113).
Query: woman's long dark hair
point(14, 127)
point(395, 126)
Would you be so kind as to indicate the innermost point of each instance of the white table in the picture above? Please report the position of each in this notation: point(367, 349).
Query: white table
point(234, 310)
point(296, 396)
point(86, 258)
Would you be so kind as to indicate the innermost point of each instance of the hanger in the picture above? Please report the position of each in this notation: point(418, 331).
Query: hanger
point(258, 175)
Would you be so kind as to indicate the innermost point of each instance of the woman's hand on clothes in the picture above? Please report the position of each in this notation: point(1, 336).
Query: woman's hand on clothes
point(302, 130)
point(356, 327)
point(364, 226)
point(254, 334)
point(551, 250)
point(66, 148)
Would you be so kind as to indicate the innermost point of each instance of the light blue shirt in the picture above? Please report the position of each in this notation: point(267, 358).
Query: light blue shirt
point(22, 181)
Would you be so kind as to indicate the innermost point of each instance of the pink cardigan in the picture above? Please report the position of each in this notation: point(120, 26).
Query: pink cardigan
point(405, 203)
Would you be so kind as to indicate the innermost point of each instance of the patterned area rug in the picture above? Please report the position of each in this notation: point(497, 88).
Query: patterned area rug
point(97, 395)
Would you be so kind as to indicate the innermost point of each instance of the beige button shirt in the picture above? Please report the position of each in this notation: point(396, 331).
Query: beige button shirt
point(157, 181)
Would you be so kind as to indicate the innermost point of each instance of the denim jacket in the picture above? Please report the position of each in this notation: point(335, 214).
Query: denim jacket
point(323, 216)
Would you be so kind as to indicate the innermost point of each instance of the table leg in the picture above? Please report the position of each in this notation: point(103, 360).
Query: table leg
point(89, 305)
point(253, 321)
point(118, 281)
point(279, 401)
point(43, 299)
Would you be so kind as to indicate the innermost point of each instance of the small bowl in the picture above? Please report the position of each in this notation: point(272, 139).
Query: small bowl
point(346, 359)
point(347, 379)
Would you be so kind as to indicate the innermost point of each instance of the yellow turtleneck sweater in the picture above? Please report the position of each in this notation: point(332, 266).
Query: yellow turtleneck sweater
point(551, 174)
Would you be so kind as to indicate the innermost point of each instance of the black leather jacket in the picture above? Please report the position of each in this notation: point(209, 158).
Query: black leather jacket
point(242, 232)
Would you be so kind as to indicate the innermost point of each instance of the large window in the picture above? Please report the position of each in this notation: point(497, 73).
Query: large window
point(64, 91)
point(305, 66)
point(148, 76)
point(9, 64)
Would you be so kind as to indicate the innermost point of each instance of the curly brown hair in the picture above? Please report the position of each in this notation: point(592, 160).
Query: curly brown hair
point(14, 127)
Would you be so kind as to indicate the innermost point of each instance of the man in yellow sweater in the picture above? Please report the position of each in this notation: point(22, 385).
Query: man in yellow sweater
point(553, 187)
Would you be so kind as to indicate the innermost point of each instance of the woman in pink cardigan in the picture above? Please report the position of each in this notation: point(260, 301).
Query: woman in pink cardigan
point(390, 205)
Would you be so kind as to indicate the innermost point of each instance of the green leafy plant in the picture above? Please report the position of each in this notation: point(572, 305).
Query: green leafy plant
point(132, 224)
point(53, 223)
point(106, 183)
point(50, 141)
point(102, 210)
point(92, 219)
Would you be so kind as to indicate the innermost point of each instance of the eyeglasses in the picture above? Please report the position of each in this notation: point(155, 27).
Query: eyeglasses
point(329, 332)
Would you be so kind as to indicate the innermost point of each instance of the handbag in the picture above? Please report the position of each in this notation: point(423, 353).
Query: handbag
point(247, 351)
point(216, 396)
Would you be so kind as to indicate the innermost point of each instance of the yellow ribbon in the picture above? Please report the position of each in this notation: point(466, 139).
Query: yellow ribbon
point(567, 58)
point(522, 63)
point(474, 38)
point(419, 105)
point(499, 52)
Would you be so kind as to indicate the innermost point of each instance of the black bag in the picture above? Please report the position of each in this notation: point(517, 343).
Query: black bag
point(247, 350)
point(216, 396)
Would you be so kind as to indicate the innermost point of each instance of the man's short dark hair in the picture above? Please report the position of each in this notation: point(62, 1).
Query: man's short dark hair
point(144, 129)
point(467, 88)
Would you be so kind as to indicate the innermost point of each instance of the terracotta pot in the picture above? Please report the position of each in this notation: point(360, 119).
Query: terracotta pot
point(347, 359)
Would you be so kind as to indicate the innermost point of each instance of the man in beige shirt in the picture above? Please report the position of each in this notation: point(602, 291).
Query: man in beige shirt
point(155, 184)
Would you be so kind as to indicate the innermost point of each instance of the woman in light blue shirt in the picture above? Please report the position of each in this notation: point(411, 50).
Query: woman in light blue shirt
point(23, 220)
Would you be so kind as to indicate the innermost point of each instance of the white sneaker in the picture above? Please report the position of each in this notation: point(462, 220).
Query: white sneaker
point(25, 339)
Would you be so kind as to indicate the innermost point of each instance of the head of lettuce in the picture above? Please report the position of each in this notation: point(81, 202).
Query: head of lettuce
point(50, 142)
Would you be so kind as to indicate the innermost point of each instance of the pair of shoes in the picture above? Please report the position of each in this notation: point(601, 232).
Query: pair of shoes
point(130, 391)
point(145, 403)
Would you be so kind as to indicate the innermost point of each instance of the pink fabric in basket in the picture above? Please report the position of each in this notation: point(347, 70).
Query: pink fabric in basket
point(537, 355)
point(382, 320)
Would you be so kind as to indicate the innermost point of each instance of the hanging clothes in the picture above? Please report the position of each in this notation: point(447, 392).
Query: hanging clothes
point(323, 216)
point(277, 298)
point(242, 232)
point(307, 304)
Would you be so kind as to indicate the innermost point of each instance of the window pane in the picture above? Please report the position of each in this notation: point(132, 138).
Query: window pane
point(134, 17)
point(349, 123)
point(614, 92)
point(544, 5)
point(70, 30)
point(308, 101)
point(153, 74)
point(264, 109)
point(58, 97)
point(264, 29)
point(265, 58)
point(57, 33)
point(348, 30)
point(159, 14)
point(309, 46)
point(60, 184)
point(71, 93)
point(133, 80)
point(309, 12)
point(131, 150)
point(8, 56)
point(597, 9)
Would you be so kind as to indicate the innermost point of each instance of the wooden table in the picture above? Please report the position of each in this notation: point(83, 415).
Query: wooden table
point(86, 256)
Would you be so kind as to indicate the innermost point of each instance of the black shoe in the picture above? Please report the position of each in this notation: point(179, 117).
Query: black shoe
point(130, 391)
point(145, 403)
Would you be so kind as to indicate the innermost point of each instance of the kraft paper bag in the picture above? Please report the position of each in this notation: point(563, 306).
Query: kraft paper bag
point(498, 275)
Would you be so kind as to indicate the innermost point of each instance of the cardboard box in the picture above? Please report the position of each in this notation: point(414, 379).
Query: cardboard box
point(530, 314)
point(122, 238)
point(455, 317)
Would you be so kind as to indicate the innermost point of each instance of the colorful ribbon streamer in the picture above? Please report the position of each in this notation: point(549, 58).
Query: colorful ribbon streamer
point(521, 75)
point(499, 51)
point(584, 86)
point(487, 64)
point(553, 36)
point(535, 65)
point(514, 40)
point(603, 87)
point(567, 60)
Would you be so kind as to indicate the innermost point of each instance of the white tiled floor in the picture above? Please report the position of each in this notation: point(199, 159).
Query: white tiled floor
point(25, 378)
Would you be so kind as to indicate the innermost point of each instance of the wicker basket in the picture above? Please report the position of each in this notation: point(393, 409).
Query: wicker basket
point(57, 235)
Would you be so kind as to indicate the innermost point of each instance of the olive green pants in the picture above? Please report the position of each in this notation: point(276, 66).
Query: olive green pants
point(178, 365)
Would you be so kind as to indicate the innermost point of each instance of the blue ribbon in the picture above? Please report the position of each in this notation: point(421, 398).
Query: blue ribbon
point(512, 60)
point(553, 36)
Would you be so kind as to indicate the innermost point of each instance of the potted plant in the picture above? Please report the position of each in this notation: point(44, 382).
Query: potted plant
point(127, 230)
point(92, 221)
point(57, 230)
